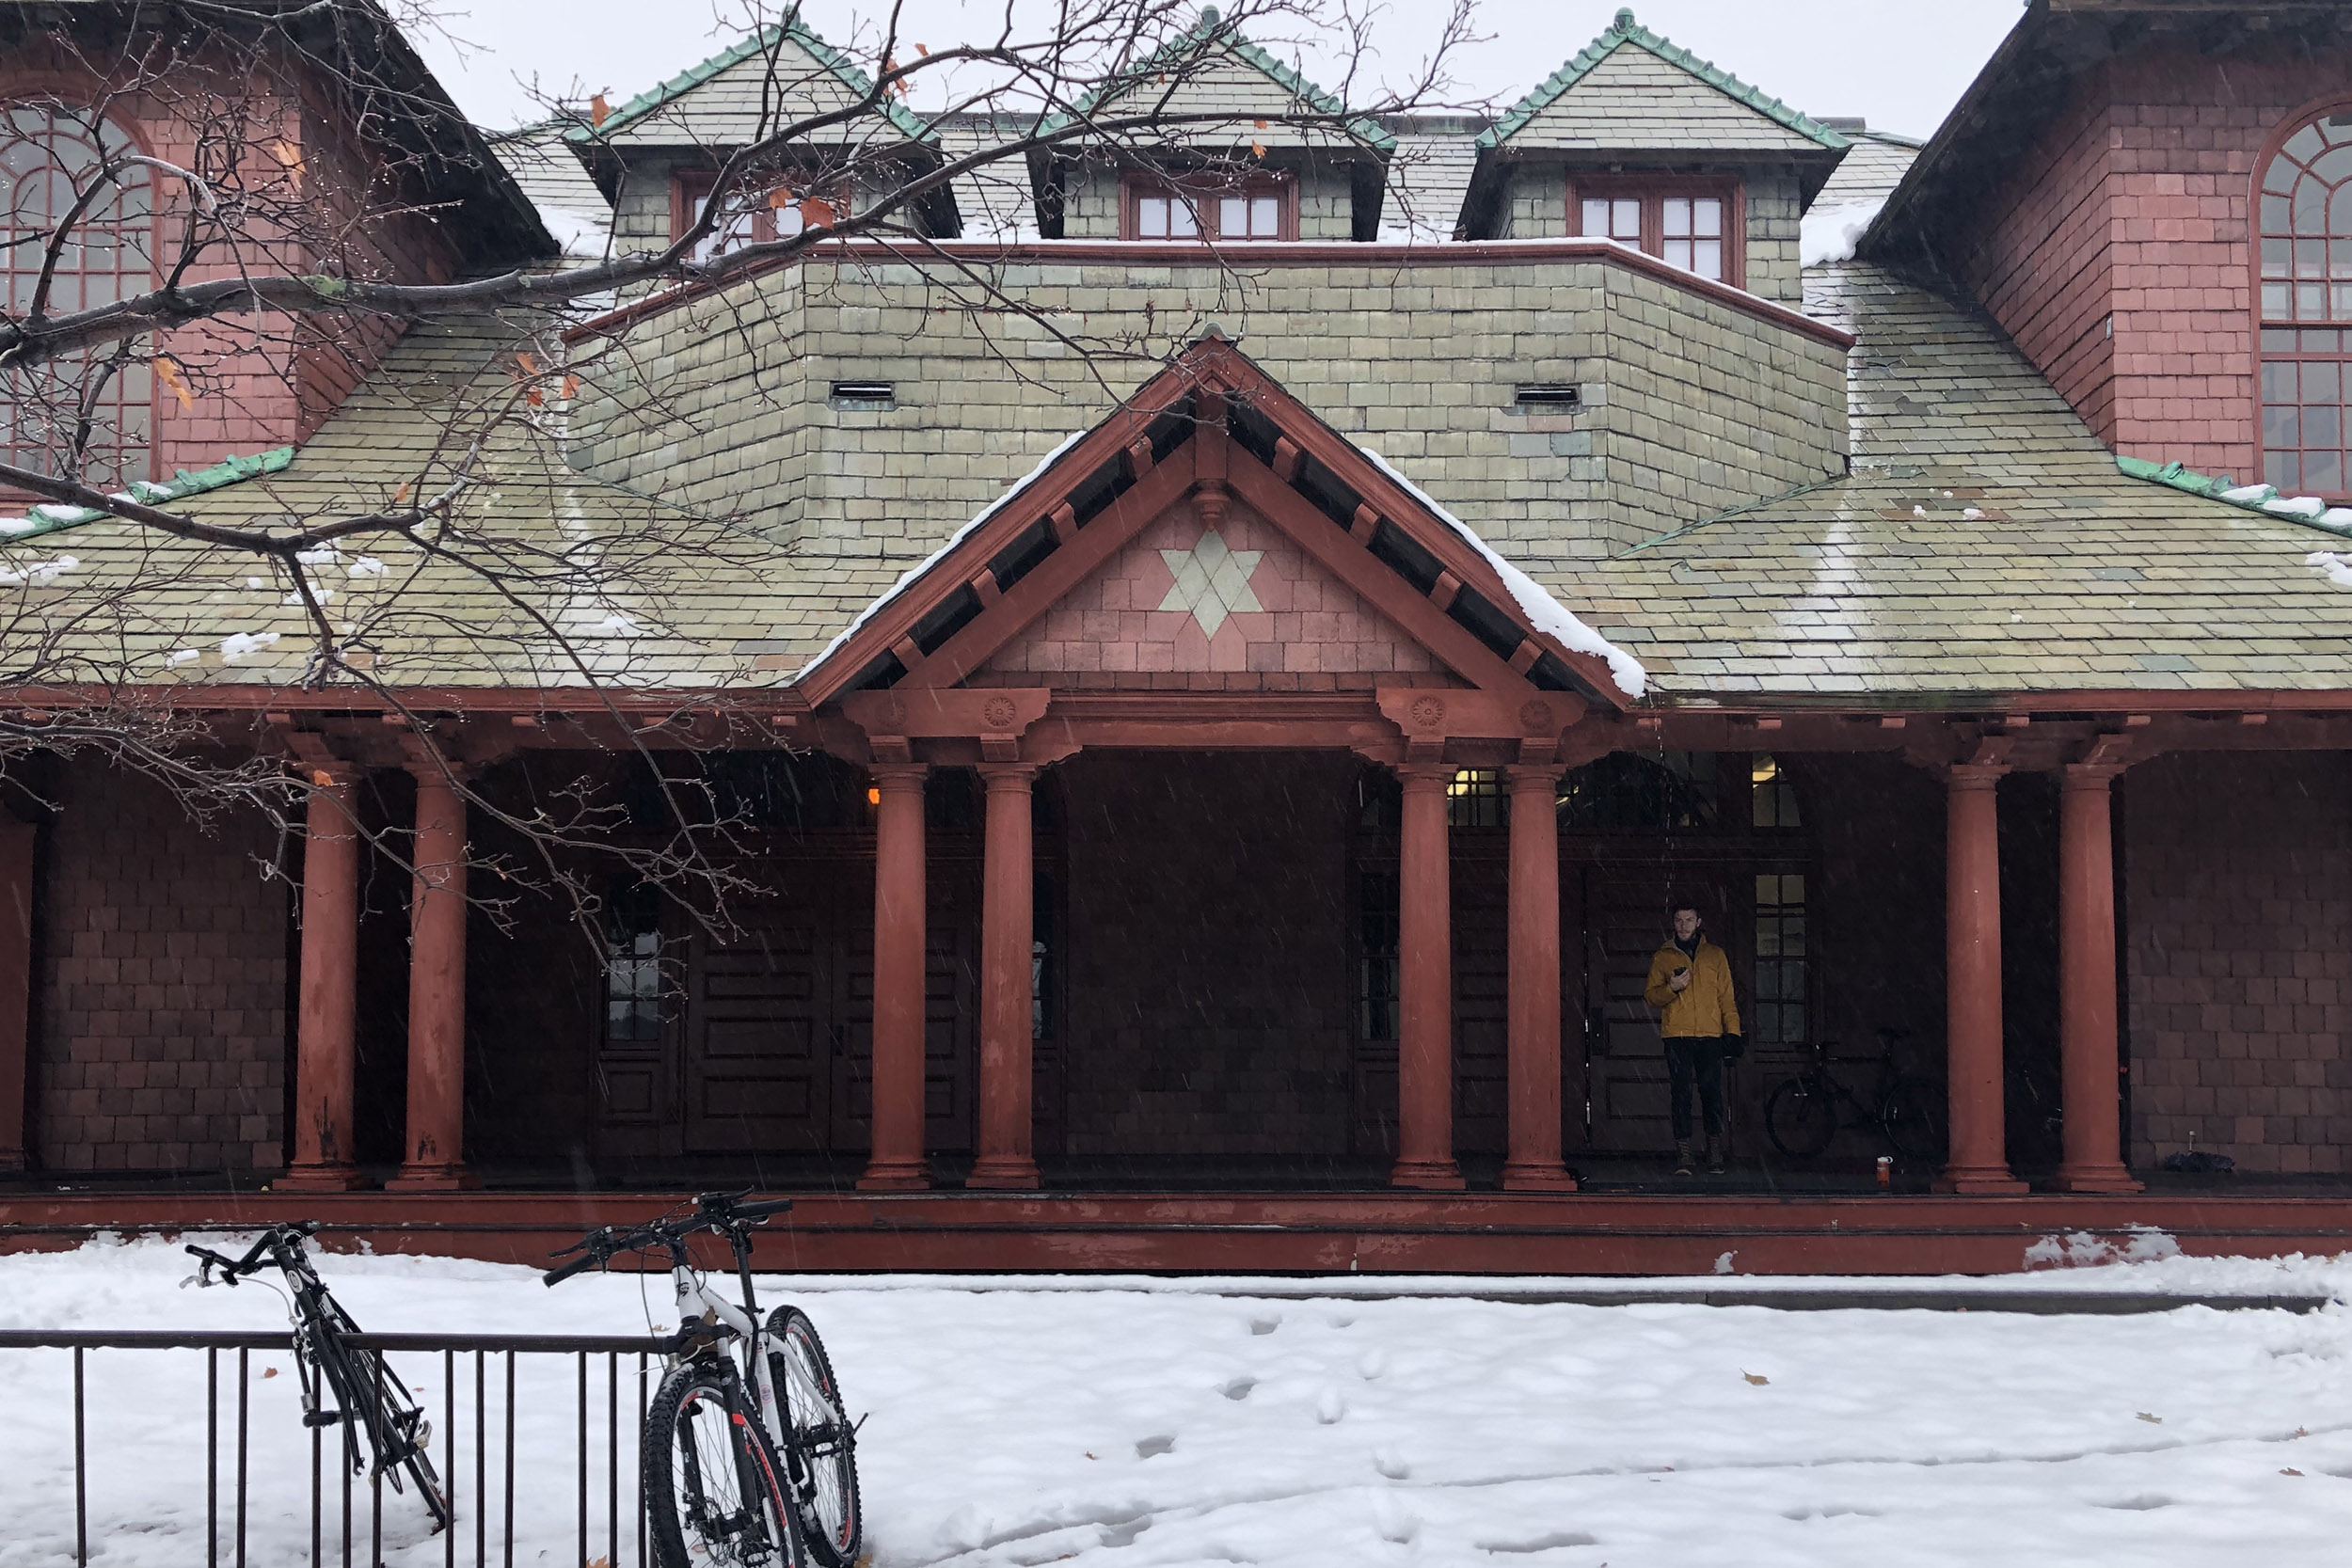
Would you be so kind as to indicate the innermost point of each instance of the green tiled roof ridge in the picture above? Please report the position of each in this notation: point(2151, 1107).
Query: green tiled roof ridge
point(2263, 499)
point(50, 518)
point(1213, 28)
point(1624, 30)
point(792, 28)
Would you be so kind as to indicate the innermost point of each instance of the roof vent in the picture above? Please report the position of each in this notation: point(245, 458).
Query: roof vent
point(864, 395)
point(1549, 397)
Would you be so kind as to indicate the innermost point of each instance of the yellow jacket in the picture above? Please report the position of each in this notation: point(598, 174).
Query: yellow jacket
point(1700, 1010)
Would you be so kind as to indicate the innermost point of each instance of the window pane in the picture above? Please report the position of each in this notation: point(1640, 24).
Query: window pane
point(1266, 217)
point(2323, 383)
point(1152, 217)
point(1707, 217)
point(1596, 217)
point(1625, 219)
point(2323, 427)
point(2274, 218)
point(1183, 221)
point(2281, 427)
point(1677, 217)
point(1677, 253)
point(2275, 303)
point(1707, 261)
point(2283, 470)
point(2323, 472)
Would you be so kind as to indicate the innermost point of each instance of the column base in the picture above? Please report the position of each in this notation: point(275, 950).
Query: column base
point(895, 1176)
point(319, 1178)
point(1528, 1178)
point(1428, 1176)
point(2095, 1179)
point(1010, 1172)
point(434, 1178)
point(1979, 1181)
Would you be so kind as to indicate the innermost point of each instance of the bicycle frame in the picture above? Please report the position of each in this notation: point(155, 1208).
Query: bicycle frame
point(753, 1400)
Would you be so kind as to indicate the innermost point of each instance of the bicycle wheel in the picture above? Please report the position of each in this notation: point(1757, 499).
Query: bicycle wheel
point(377, 1402)
point(1800, 1117)
point(820, 1443)
point(1916, 1118)
point(710, 1496)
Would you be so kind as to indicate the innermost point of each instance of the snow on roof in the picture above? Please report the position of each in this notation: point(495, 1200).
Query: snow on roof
point(1828, 234)
point(1547, 614)
point(2251, 497)
point(915, 573)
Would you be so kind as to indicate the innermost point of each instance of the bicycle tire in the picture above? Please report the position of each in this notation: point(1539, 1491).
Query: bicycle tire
point(1915, 1119)
point(819, 1443)
point(695, 1507)
point(1801, 1118)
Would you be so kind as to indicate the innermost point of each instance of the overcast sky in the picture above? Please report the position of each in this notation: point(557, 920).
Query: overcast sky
point(1901, 64)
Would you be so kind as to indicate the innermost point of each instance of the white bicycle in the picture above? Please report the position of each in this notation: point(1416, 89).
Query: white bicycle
point(747, 1457)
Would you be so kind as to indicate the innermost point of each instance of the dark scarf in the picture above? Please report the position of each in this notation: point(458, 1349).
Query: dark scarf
point(1691, 948)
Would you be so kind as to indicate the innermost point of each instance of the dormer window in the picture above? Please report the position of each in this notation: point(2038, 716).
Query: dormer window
point(759, 212)
point(2304, 202)
point(1261, 207)
point(1691, 224)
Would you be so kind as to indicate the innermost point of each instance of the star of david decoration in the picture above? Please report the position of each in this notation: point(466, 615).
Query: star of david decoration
point(1212, 580)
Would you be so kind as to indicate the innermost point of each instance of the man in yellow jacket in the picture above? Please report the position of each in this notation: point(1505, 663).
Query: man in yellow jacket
point(1690, 985)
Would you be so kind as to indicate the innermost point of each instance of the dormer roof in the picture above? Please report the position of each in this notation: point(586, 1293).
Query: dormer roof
point(1631, 90)
point(1243, 80)
point(719, 101)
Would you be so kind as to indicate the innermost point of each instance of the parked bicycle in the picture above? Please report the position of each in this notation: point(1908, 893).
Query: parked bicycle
point(1806, 1112)
point(747, 1456)
point(368, 1396)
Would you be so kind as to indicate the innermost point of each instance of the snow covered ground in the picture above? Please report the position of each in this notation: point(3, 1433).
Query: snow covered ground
point(1158, 1423)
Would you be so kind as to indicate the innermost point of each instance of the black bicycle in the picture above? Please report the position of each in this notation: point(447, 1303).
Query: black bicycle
point(747, 1456)
point(366, 1395)
point(1806, 1112)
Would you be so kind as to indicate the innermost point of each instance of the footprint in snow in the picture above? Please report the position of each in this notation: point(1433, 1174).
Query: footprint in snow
point(1239, 1388)
point(1330, 1407)
point(1395, 1521)
point(1374, 1366)
point(1391, 1464)
point(1151, 1446)
point(1541, 1544)
point(1265, 1325)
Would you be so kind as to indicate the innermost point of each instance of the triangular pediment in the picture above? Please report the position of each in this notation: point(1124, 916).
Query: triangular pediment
point(1213, 527)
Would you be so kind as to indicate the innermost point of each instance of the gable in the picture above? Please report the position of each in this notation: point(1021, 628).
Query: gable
point(1633, 99)
point(787, 70)
point(1215, 438)
point(1213, 69)
point(1236, 599)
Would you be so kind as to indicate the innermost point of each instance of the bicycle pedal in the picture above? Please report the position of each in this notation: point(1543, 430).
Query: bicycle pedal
point(322, 1417)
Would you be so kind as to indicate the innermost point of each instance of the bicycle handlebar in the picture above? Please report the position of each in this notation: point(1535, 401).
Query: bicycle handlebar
point(718, 1211)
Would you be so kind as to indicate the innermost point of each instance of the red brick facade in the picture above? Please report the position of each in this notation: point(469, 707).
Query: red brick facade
point(2133, 212)
point(162, 1031)
point(254, 384)
point(2239, 926)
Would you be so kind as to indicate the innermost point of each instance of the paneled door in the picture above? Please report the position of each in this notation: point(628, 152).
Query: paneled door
point(762, 1036)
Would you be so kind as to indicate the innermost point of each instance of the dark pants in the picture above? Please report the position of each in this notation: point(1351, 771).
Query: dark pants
point(1697, 1061)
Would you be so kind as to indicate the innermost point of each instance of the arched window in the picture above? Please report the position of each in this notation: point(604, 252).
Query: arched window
point(2305, 224)
point(87, 416)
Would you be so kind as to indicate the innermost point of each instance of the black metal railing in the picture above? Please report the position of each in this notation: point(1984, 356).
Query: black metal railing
point(254, 1479)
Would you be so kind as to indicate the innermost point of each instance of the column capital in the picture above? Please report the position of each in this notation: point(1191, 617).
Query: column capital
point(2089, 775)
point(446, 771)
point(1974, 775)
point(1418, 777)
point(894, 777)
point(1009, 775)
point(1525, 777)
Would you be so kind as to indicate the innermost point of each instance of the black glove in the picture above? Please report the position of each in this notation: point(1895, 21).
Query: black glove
point(1734, 1047)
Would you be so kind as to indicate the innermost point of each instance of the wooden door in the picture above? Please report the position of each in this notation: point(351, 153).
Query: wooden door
point(760, 1028)
point(1625, 1067)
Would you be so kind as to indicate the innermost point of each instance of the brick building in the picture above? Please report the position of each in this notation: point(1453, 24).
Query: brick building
point(1222, 817)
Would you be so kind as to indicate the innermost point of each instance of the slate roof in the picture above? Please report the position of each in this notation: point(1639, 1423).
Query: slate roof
point(2072, 576)
point(1625, 32)
point(767, 40)
point(1870, 171)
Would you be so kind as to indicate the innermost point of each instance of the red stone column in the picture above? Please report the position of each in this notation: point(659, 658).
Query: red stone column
point(1008, 933)
point(896, 1163)
point(437, 991)
point(1533, 1161)
point(2092, 1141)
point(1978, 1161)
point(326, 1053)
point(1424, 947)
point(16, 989)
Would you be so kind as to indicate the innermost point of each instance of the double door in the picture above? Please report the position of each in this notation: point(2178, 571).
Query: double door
point(777, 1041)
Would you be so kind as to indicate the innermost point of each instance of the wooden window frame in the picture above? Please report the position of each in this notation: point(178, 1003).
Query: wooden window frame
point(1652, 191)
point(2289, 126)
point(687, 184)
point(1204, 190)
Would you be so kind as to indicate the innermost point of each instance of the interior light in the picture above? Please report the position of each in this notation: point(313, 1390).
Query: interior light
point(873, 795)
